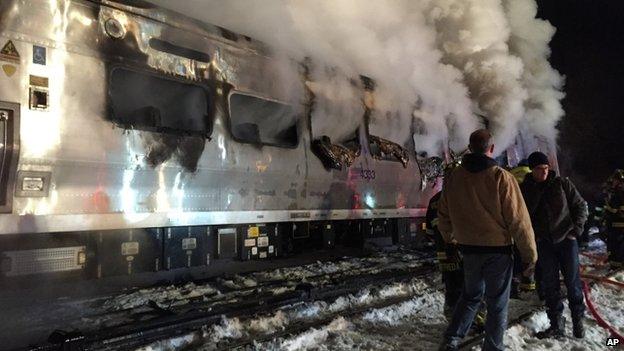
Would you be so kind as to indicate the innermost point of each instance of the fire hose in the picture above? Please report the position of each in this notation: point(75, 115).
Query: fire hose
point(590, 305)
point(601, 322)
point(600, 258)
point(602, 279)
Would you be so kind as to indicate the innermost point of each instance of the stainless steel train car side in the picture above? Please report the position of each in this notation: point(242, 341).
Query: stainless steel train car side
point(119, 118)
point(136, 139)
point(95, 173)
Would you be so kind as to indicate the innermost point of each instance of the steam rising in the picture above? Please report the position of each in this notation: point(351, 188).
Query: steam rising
point(434, 63)
point(529, 41)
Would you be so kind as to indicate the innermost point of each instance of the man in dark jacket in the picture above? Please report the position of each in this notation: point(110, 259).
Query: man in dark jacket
point(558, 213)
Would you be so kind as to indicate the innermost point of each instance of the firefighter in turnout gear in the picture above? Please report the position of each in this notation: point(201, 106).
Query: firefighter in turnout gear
point(521, 170)
point(614, 218)
point(449, 260)
point(520, 282)
point(595, 220)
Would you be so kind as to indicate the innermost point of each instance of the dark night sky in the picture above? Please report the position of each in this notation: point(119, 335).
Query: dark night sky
point(588, 49)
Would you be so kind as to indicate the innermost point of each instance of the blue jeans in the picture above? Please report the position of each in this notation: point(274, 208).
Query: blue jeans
point(488, 274)
point(553, 258)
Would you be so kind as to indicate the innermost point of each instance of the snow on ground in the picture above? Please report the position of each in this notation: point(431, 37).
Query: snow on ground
point(235, 328)
point(610, 304)
point(348, 265)
point(172, 295)
point(417, 323)
point(165, 296)
point(596, 247)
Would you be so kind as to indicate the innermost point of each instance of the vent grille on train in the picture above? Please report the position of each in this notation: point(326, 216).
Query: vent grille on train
point(25, 262)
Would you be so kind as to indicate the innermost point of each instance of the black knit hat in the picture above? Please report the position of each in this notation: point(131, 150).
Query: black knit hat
point(537, 158)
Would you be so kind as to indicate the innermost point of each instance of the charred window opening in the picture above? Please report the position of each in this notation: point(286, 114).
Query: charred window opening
point(153, 103)
point(255, 120)
point(337, 156)
point(431, 168)
point(382, 149)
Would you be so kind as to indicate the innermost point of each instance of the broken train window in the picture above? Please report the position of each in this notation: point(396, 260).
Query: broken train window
point(337, 155)
point(382, 149)
point(336, 116)
point(160, 104)
point(256, 120)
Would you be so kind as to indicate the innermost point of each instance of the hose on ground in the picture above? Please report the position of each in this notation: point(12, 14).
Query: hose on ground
point(592, 309)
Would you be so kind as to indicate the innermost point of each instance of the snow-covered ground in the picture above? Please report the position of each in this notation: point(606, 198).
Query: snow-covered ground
point(414, 323)
point(277, 280)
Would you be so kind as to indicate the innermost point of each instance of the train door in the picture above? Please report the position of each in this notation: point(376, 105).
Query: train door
point(9, 148)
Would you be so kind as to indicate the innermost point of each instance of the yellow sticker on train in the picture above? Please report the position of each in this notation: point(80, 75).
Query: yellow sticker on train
point(9, 70)
point(253, 232)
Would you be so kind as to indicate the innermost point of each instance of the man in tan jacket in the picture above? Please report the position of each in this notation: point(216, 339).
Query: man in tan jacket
point(482, 210)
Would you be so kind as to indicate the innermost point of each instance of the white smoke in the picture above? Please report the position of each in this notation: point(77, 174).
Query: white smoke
point(336, 98)
point(529, 40)
point(473, 36)
point(433, 61)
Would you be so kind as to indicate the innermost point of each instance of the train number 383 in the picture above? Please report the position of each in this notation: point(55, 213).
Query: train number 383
point(367, 174)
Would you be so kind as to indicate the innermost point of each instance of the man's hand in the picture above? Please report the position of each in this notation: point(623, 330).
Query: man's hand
point(528, 270)
point(452, 253)
point(527, 284)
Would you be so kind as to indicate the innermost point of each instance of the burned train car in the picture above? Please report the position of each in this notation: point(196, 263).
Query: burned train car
point(135, 139)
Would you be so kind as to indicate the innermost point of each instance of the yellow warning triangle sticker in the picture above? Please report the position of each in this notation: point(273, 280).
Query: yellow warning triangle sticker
point(9, 70)
point(9, 52)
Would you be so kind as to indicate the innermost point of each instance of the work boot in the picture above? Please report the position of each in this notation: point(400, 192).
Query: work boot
point(577, 327)
point(449, 346)
point(556, 329)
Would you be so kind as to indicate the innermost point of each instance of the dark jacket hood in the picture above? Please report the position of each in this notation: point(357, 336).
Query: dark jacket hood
point(475, 163)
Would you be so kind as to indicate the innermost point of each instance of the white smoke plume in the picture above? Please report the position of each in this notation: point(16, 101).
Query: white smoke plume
point(473, 36)
point(336, 99)
point(529, 40)
point(434, 62)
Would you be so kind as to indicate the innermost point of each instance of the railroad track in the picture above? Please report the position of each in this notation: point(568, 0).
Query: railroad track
point(166, 323)
point(225, 295)
point(306, 325)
